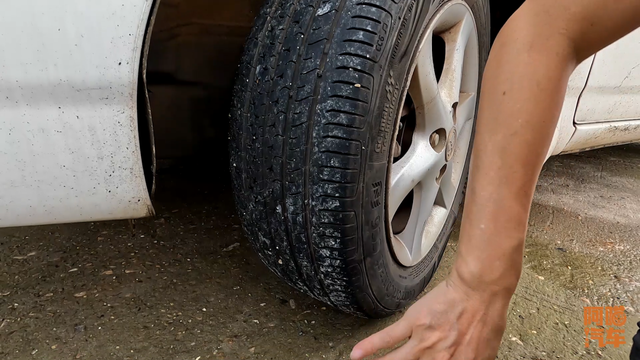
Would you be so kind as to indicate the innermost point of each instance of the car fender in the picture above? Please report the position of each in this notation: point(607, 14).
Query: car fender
point(69, 146)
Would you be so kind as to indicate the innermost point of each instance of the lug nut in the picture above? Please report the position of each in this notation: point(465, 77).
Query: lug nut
point(434, 139)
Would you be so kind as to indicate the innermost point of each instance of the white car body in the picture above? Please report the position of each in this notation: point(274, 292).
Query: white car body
point(69, 137)
point(602, 104)
point(69, 144)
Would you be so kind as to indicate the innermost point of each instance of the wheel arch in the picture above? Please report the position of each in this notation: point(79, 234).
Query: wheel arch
point(145, 117)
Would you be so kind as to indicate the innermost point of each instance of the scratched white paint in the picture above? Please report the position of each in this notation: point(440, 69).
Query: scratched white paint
point(565, 127)
point(595, 135)
point(613, 89)
point(69, 146)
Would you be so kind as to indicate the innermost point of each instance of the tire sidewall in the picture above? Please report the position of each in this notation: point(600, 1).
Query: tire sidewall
point(393, 286)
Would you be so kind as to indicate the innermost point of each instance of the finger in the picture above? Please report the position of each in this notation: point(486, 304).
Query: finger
point(407, 351)
point(382, 339)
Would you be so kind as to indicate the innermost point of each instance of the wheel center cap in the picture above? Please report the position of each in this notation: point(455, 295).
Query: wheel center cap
point(451, 144)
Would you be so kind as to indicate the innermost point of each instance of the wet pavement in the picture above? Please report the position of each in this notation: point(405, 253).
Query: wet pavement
point(187, 285)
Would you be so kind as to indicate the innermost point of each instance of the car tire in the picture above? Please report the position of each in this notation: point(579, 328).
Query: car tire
point(318, 108)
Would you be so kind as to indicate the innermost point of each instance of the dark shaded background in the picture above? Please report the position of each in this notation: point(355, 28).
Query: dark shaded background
point(195, 50)
point(194, 54)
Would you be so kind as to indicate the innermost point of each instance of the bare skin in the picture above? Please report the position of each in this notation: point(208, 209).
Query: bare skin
point(523, 88)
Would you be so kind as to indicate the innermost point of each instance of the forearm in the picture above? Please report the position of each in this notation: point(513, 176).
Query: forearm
point(522, 90)
point(522, 93)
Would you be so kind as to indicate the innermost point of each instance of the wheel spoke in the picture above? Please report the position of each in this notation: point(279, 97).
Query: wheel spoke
point(448, 188)
point(466, 109)
point(456, 39)
point(423, 208)
point(459, 159)
point(431, 111)
point(418, 163)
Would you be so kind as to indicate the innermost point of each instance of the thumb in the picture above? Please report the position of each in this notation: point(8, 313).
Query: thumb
point(384, 339)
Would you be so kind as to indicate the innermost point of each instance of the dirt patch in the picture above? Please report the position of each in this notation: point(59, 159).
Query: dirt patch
point(186, 284)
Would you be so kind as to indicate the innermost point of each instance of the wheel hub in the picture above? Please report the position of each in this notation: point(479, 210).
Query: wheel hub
point(433, 134)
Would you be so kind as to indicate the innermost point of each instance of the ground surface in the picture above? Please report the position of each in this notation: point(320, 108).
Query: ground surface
point(186, 284)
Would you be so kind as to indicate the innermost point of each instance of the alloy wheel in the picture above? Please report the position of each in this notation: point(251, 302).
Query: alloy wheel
point(433, 134)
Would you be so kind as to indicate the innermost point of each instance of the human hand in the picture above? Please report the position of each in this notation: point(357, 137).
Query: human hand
point(451, 322)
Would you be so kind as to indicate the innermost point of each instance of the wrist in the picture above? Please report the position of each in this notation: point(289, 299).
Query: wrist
point(499, 277)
